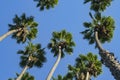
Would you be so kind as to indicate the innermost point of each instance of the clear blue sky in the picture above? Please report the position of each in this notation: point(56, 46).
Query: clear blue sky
point(69, 15)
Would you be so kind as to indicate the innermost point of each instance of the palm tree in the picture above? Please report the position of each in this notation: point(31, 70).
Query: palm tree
point(26, 76)
point(46, 4)
point(108, 59)
point(33, 55)
point(86, 66)
point(23, 28)
point(101, 30)
point(60, 43)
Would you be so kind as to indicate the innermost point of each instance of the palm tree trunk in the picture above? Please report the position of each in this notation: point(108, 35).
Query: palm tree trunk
point(87, 76)
point(109, 59)
point(55, 65)
point(22, 73)
point(8, 33)
point(98, 42)
point(77, 76)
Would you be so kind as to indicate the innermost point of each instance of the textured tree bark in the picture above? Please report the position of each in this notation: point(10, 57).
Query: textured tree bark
point(22, 73)
point(109, 59)
point(55, 65)
point(8, 33)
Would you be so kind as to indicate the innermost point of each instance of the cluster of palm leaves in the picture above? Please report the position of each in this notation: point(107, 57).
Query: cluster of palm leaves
point(84, 63)
point(63, 39)
point(32, 55)
point(98, 5)
point(60, 77)
point(27, 28)
point(42, 4)
point(103, 25)
point(26, 76)
point(88, 63)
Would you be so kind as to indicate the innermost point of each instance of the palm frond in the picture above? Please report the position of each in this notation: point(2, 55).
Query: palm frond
point(32, 55)
point(63, 39)
point(26, 26)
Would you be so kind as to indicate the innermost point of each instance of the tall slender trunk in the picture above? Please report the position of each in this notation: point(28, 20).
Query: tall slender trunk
point(87, 76)
point(22, 73)
point(109, 59)
point(55, 65)
point(98, 42)
point(8, 33)
point(77, 76)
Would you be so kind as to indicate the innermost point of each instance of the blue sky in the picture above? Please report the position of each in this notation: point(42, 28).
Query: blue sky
point(69, 15)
